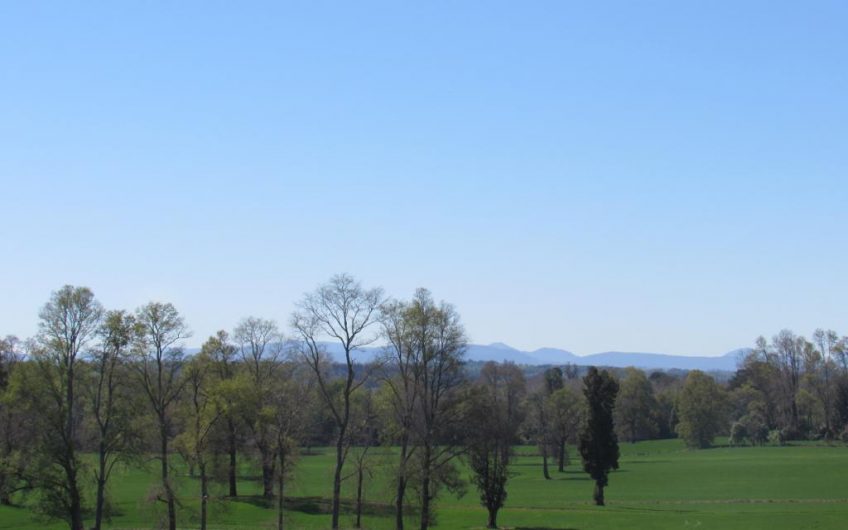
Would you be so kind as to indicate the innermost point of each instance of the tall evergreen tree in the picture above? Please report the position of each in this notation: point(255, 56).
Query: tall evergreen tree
point(598, 441)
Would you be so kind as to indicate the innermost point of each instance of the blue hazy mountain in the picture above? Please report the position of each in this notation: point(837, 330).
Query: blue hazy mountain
point(502, 352)
point(499, 351)
point(726, 362)
point(555, 356)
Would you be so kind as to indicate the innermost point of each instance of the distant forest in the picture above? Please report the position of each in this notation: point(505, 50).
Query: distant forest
point(97, 388)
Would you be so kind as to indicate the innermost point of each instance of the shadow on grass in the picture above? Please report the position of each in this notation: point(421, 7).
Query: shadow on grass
point(318, 505)
point(310, 451)
point(570, 474)
point(245, 478)
point(543, 528)
point(662, 510)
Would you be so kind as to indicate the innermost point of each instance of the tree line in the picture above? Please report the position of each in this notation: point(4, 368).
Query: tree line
point(96, 390)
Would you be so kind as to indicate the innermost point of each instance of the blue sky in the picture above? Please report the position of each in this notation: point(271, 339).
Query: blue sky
point(651, 176)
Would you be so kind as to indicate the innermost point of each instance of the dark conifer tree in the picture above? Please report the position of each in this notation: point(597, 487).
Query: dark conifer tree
point(598, 442)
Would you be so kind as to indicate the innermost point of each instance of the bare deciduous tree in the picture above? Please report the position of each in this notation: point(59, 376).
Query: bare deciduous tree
point(202, 411)
point(495, 413)
point(222, 356)
point(68, 322)
point(787, 351)
point(287, 425)
point(826, 341)
point(111, 402)
point(440, 339)
point(260, 344)
point(343, 311)
point(158, 364)
point(401, 377)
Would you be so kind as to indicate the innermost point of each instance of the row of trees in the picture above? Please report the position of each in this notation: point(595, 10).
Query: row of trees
point(120, 386)
point(786, 388)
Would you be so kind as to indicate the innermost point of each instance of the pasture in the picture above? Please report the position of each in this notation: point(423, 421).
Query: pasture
point(660, 485)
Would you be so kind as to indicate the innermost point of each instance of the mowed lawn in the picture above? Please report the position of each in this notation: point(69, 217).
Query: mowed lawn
point(660, 485)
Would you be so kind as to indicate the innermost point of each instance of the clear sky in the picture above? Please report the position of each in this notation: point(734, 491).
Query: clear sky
point(640, 176)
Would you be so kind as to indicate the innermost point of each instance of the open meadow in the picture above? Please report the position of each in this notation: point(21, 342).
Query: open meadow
point(659, 485)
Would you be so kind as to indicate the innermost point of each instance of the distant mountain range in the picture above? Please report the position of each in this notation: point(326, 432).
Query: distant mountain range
point(502, 352)
point(499, 351)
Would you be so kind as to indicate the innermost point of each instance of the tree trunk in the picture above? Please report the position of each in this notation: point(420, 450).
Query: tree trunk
point(74, 497)
point(795, 421)
point(267, 477)
point(599, 493)
point(233, 467)
point(425, 490)
point(561, 456)
point(425, 503)
point(75, 502)
point(166, 481)
point(401, 492)
point(204, 494)
point(359, 477)
point(101, 487)
point(493, 518)
point(337, 479)
point(826, 400)
point(545, 471)
point(172, 509)
point(401, 484)
point(280, 483)
point(5, 498)
point(5, 477)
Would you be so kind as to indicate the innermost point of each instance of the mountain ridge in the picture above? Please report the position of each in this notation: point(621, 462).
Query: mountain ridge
point(618, 359)
point(500, 352)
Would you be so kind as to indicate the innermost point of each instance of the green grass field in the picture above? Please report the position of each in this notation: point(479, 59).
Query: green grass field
point(660, 485)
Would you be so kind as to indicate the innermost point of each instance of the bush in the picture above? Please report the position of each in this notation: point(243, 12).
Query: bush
point(776, 437)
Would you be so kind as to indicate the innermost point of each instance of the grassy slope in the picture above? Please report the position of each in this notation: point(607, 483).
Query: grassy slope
point(660, 485)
